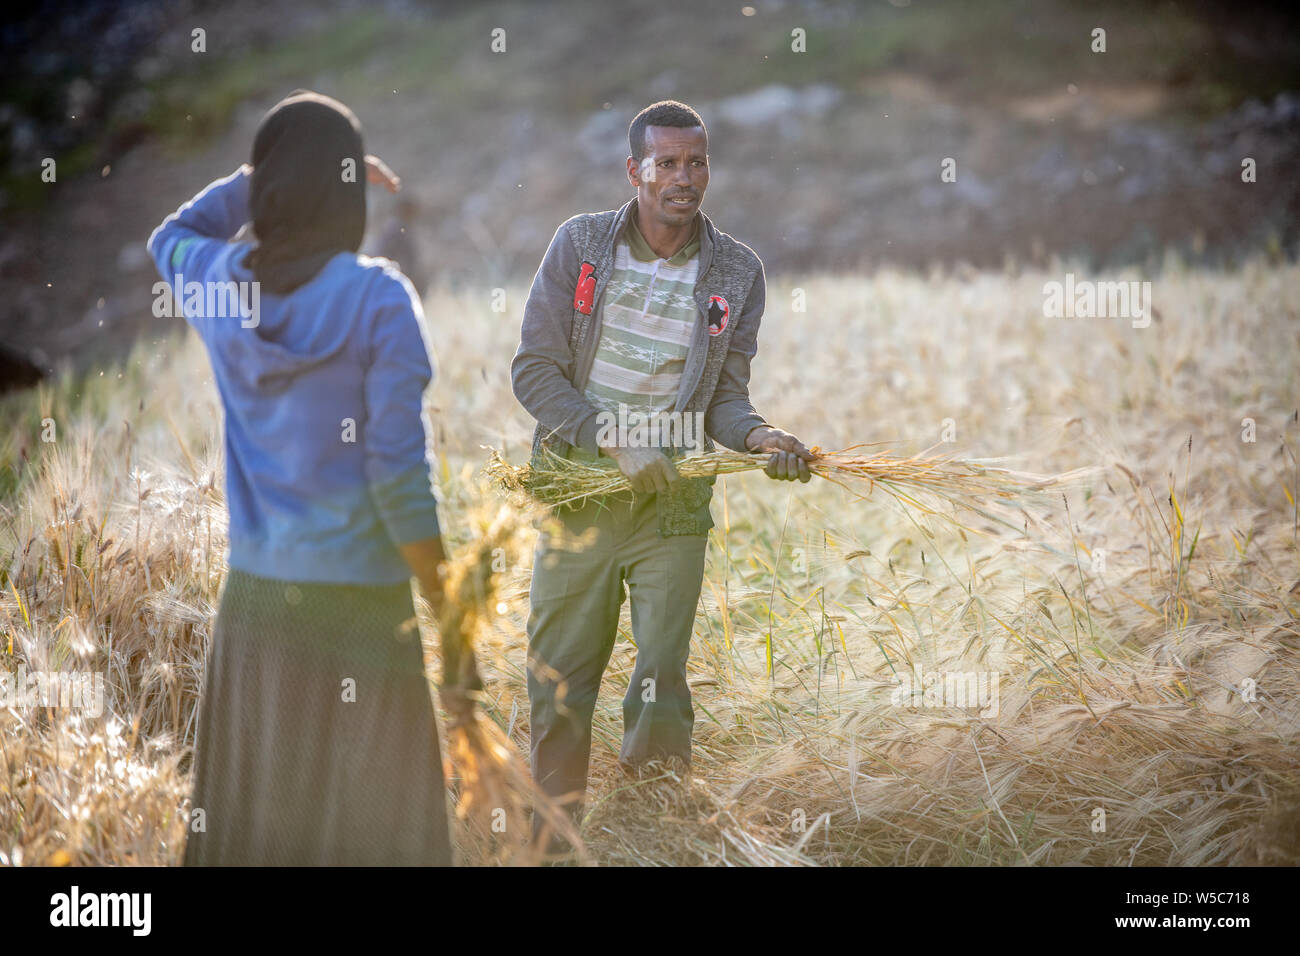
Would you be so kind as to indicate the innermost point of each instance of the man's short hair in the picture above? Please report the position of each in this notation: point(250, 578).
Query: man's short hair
point(663, 113)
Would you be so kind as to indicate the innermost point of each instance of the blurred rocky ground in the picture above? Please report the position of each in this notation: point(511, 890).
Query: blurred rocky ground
point(828, 159)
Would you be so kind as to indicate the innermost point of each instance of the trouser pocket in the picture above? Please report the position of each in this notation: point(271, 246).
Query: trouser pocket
point(684, 508)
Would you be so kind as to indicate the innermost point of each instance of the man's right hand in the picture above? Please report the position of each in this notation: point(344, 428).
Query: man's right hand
point(647, 469)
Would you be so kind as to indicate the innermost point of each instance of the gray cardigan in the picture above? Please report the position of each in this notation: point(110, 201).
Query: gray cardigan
point(561, 330)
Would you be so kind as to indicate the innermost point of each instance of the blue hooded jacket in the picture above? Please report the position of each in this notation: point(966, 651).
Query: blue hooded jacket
point(326, 438)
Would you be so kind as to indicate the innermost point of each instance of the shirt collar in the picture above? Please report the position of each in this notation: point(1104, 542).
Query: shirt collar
point(641, 249)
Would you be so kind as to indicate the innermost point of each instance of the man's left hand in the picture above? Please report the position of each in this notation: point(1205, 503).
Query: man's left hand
point(789, 455)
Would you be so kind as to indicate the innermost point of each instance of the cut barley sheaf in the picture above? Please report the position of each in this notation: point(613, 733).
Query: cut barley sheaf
point(919, 482)
point(494, 783)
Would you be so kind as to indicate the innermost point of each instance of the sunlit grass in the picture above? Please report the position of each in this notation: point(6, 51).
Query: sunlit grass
point(1126, 630)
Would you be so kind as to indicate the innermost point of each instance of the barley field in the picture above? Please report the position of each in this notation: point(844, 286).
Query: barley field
point(1141, 631)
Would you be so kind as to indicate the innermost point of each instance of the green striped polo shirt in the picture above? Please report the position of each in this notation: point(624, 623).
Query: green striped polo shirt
point(647, 324)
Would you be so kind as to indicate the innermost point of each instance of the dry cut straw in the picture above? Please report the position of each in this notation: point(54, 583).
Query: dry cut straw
point(493, 779)
point(919, 481)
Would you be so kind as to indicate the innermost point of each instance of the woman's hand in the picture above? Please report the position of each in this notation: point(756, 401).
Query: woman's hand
point(460, 677)
point(378, 174)
point(461, 682)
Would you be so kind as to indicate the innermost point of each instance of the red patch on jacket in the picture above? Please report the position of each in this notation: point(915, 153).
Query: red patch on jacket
point(585, 294)
point(719, 312)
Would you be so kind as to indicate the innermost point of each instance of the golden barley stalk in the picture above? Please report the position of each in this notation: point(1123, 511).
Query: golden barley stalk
point(493, 778)
point(554, 480)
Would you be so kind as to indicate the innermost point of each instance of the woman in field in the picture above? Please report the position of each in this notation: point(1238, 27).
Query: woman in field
point(317, 741)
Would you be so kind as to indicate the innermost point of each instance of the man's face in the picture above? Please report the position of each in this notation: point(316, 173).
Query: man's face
point(672, 175)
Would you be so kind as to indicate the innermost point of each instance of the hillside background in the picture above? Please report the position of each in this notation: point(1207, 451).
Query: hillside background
point(822, 161)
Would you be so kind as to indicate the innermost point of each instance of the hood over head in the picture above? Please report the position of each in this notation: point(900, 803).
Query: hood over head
point(306, 208)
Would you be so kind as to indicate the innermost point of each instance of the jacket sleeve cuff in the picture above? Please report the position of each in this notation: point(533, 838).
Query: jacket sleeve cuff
point(739, 430)
point(587, 432)
point(407, 507)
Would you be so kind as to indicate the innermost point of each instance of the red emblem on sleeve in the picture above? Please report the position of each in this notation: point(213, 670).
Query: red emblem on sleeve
point(585, 294)
point(719, 312)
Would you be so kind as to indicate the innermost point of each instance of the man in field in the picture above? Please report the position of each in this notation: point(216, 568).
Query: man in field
point(638, 318)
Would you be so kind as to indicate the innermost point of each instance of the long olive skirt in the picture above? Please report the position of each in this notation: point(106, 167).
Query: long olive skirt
point(317, 742)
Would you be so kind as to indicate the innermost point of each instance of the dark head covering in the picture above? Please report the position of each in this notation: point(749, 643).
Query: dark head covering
point(305, 211)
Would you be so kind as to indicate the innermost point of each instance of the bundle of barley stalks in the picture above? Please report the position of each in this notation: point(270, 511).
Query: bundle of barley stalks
point(920, 482)
point(494, 787)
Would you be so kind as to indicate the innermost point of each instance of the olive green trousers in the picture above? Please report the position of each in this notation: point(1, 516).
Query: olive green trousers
point(586, 562)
